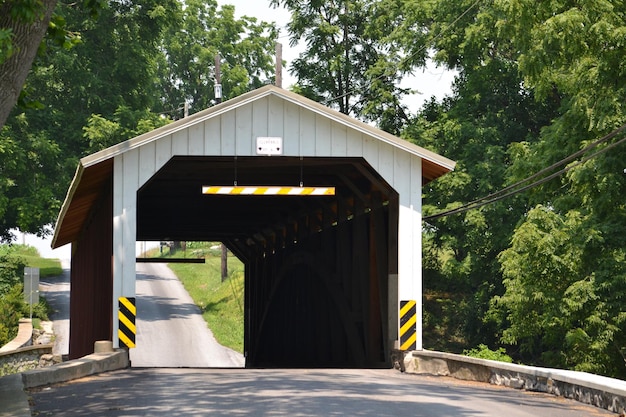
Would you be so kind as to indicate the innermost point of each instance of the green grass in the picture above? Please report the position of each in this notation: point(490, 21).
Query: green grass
point(221, 302)
point(30, 256)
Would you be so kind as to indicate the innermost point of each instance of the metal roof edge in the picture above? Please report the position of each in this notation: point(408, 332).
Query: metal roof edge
point(66, 204)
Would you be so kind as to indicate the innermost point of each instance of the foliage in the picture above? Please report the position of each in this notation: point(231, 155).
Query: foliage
point(13, 307)
point(11, 268)
point(483, 352)
point(348, 63)
point(187, 68)
point(29, 184)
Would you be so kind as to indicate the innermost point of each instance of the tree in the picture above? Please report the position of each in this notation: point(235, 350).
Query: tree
point(348, 63)
point(23, 25)
point(187, 66)
point(560, 294)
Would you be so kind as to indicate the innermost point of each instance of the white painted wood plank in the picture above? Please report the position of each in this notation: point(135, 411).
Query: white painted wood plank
point(386, 162)
point(196, 139)
point(291, 139)
point(243, 131)
point(180, 142)
point(322, 136)
point(147, 162)
point(416, 211)
point(307, 133)
point(227, 134)
point(118, 234)
point(129, 226)
point(276, 114)
point(339, 140)
point(163, 152)
point(260, 118)
point(354, 146)
point(212, 137)
point(370, 151)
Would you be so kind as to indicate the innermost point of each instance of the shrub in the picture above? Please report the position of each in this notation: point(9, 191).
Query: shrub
point(483, 352)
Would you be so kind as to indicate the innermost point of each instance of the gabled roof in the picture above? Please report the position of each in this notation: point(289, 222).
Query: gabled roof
point(94, 170)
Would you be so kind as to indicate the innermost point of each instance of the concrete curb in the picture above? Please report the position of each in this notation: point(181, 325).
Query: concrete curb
point(24, 336)
point(77, 368)
point(13, 398)
point(599, 391)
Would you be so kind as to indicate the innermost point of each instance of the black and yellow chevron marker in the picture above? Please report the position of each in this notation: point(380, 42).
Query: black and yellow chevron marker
point(126, 331)
point(408, 318)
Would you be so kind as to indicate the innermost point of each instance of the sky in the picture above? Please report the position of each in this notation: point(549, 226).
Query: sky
point(430, 81)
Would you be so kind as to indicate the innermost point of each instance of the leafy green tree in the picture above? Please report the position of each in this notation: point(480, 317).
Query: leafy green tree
point(348, 64)
point(29, 183)
point(23, 25)
point(246, 48)
point(563, 272)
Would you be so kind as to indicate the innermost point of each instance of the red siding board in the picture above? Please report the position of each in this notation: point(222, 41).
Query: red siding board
point(92, 278)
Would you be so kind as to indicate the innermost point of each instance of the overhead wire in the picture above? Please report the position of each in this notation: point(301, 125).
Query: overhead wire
point(512, 189)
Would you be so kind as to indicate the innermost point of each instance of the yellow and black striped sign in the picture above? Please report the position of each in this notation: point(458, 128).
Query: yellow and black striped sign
point(408, 318)
point(265, 190)
point(126, 331)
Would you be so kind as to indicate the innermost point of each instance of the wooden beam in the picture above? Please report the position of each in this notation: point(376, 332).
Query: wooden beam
point(171, 260)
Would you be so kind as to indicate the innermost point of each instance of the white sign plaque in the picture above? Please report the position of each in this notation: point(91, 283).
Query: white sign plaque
point(269, 145)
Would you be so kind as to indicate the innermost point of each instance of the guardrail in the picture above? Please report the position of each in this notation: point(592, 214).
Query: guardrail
point(599, 391)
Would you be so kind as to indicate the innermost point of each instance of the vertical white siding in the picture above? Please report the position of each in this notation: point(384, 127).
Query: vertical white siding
point(243, 132)
point(407, 181)
point(125, 185)
point(354, 146)
point(260, 118)
point(291, 130)
point(275, 116)
point(196, 139)
point(322, 136)
point(307, 134)
point(370, 152)
point(147, 162)
point(212, 137)
point(339, 140)
point(163, 152)
point(227, 134)
point(180, 142)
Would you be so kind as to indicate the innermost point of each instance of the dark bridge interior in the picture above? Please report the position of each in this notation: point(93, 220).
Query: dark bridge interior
point(317, 267)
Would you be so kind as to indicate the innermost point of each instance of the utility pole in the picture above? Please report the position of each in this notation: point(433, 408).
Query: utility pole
point(218, 99)
point(279, 65)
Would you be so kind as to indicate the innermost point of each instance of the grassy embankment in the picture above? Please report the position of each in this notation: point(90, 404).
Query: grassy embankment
point(221, 302)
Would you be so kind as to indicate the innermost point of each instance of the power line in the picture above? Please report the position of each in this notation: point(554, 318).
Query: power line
point(504, 193)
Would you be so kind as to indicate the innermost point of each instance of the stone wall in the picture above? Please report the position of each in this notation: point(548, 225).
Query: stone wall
point(599, 391)
point(27, 358)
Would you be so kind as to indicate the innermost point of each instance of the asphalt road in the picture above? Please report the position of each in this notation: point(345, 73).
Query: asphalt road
point(294, 393)
point(56, 290)
point(170, 329)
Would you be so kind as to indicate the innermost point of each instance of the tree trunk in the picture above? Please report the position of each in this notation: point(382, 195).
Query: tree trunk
point(27, 37)
point(224, 268)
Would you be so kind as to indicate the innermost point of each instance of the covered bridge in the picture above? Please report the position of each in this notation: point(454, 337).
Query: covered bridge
point(325, 275)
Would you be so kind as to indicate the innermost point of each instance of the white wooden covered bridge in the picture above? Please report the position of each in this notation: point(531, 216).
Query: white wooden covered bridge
point(325, 275)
